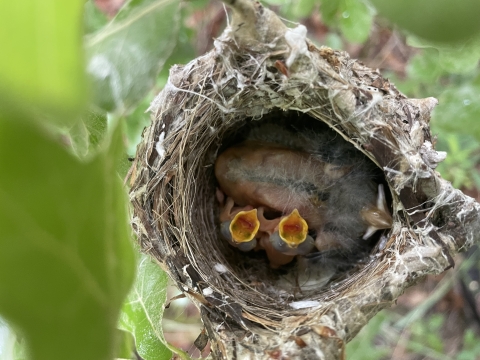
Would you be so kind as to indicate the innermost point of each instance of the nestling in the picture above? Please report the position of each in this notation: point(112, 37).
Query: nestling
point(304, 185)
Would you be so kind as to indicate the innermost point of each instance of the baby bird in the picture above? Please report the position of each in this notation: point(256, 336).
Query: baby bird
point(284, 237)
point(239, 225)
point(242, 226)
point(303, 183)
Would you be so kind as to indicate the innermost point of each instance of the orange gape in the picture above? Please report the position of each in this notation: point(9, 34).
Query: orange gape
point(288, 194)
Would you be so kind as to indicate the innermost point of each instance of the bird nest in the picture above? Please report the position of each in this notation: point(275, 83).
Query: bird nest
point(261, 72)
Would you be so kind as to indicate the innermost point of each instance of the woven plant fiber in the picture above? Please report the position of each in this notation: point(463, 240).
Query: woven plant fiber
point(261, 70)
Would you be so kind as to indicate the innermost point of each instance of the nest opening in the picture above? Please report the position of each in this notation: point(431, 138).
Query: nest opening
point(250, 278)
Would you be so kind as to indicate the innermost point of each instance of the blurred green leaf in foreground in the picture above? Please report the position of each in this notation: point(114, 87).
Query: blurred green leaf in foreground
point(41, 64)
point(127, 54)
point(435, 20)
point(66, 258)
point(65, 252)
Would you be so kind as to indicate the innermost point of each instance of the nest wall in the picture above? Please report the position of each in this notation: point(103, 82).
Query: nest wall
point(248, 78)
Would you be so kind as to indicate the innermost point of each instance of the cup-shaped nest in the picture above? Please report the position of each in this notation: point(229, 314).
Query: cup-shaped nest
point(266, 84)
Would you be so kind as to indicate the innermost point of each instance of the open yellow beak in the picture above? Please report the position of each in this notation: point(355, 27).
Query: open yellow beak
point(244, 226)
point(293, 229)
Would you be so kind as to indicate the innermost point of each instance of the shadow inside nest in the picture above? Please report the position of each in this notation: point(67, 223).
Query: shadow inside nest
point(286, 161)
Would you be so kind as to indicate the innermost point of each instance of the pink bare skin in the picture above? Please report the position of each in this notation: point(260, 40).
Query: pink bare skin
point(229, 209)
point(340, 203)
point(264, 161)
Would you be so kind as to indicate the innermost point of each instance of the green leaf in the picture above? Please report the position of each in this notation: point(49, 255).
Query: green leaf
point(329, 10)
point(471, 346)
point(12, 345)
point(79, 139)
point(456, 58)
point(436, 20)
point(364, 346)
point(126, 56)
point(462, 59)
point(94, 19)
point(42, 61)
point(125, 345)
point(275, 2)
point(7, 341)
point(87, 135)
point(333, 41)
point(463, 155)
point(302, 8)
point(182, 53)
point(96, 124)
point(135, 123)
point(459, 110)
point(355, 20)
point(197, 4)
point(142, 313)
point(425, 66)
point(66, 260)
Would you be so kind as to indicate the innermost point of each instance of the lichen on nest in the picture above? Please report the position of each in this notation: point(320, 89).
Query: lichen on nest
point(258, 72)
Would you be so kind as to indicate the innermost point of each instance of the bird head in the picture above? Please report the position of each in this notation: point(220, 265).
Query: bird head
point(242, 230)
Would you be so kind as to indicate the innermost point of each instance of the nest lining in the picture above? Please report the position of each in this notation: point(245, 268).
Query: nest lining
point(173, 195)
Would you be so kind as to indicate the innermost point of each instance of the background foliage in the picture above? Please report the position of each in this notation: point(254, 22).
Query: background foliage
point(74, 88)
